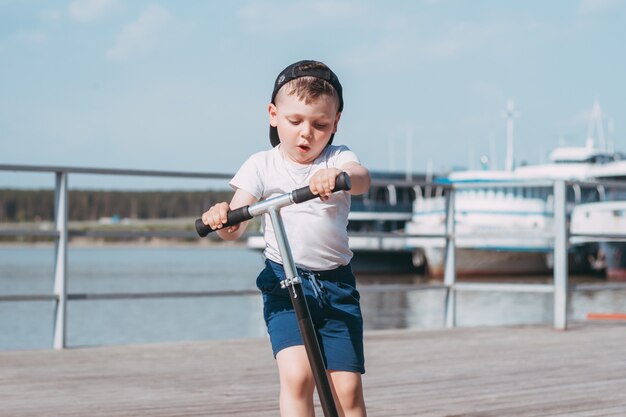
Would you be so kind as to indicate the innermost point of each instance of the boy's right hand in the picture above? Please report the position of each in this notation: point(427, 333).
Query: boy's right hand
point(217, 215)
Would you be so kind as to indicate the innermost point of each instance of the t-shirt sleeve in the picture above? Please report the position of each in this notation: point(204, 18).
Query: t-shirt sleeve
point(342, 155)
point(248, 178)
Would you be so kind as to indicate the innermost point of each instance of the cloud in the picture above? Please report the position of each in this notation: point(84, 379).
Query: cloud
point(29, 37)
point(407, 47)
point(140, 35)
point(88, 10)
point(488, 91)
point(279, 16)
point(51, 15)
point(35, 37)
point(332, 8)
point(589, 7)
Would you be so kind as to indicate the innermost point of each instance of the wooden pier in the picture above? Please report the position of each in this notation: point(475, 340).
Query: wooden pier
point(511, 371)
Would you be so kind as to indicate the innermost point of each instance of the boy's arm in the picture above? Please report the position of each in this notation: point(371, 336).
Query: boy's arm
point(359, 177)
point(218, 213)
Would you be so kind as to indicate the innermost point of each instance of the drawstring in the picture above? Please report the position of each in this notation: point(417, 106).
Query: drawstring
point(319, 292)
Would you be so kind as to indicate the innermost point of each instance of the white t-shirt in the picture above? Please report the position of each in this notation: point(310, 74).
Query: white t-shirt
point(316, 229)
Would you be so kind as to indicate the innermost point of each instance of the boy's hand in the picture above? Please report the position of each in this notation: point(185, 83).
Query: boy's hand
point(216, 216)
point(323, 182)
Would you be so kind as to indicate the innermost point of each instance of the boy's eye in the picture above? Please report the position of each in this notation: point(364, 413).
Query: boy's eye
point(294, 122)
point(321, 126)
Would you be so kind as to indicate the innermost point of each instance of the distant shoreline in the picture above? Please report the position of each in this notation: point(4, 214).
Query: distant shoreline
point(154, 242)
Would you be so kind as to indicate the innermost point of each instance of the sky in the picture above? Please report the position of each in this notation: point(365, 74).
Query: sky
point(184, 86)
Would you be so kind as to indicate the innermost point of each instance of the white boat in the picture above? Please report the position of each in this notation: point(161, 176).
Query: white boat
point(498, 230)
point(509, 229)
point(602, 225)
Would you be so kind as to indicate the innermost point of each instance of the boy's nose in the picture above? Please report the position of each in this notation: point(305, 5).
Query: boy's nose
point(306, 131)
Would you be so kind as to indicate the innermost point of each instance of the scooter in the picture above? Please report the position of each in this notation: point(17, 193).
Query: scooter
point(292, 281)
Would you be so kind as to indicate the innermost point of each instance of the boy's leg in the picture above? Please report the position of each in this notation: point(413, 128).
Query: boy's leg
point(296, 382)
point(348, 390)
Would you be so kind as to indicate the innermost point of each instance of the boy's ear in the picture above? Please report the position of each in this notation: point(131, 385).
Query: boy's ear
point(336, 122)
point(273, 115)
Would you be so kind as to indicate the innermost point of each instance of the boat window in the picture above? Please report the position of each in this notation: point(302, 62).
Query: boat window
point(590, 194)
point(570, 195)
point(527, 192)
point(381, 195)
point(412, 193)
point(405, 195)
point(615, 194)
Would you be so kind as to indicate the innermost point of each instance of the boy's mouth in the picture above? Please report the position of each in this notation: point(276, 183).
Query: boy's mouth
point(303, 148)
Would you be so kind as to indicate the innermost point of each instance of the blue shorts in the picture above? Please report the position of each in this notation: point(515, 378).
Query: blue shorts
point(333, 302)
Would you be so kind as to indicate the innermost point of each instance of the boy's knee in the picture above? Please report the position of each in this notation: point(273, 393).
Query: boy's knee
point(349, 397)
point(295, 372)
point(298, 380)
point(348, 390)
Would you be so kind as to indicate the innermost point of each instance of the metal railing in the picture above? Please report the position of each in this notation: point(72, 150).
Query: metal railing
point(559, 287)
point(61, 236)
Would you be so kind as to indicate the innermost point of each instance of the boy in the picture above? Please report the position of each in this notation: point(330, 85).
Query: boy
point(304, 112)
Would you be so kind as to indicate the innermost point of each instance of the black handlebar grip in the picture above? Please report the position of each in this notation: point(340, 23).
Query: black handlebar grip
point(234, 217)
point(342, 183)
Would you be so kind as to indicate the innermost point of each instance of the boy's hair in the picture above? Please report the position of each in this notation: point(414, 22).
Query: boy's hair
point(309, 80)
point(308, 89)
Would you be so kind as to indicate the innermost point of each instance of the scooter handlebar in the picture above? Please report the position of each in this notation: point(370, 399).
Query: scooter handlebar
point(234, 217)
point(342, 183)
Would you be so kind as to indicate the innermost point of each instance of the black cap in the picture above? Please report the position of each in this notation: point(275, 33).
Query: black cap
point(303, 69)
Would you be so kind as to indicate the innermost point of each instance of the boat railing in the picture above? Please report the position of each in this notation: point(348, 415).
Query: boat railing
point(61, 234)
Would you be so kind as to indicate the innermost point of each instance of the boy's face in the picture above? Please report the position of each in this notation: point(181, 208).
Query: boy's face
point(304, 129)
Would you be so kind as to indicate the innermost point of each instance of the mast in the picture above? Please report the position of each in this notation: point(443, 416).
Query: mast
point(511, 114)
point(409, 153)
point(595, 123)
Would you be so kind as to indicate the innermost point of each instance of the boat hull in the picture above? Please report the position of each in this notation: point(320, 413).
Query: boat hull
point(476, 262)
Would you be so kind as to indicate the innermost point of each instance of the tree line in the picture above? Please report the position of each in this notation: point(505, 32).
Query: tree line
point(38, 205)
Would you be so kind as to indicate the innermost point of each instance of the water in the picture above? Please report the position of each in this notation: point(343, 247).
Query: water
point(29, 325)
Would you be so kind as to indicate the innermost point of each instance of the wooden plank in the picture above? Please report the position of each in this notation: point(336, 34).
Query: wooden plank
point(469, 372)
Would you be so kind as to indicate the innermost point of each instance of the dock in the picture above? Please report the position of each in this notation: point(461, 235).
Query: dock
point(469, 372)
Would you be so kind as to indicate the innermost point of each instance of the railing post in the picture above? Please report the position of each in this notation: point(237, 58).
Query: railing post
point(560, 256)
point(60, 265)
point(449, 279)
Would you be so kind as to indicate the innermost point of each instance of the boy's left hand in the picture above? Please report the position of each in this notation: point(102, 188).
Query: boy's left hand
point(323, 182)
